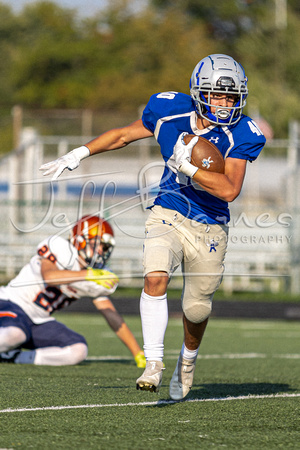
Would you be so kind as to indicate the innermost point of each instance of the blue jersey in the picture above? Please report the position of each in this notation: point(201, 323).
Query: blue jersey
point(167, 115)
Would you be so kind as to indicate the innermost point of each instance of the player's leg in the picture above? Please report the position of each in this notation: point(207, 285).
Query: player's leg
point(14, 330)
point(50, 343)
point(11, 337)
point(59, 356)
point(154, 317)
point(162, 255)
point(203, 271)
point(154, 313)
point(53, 344)
point(117, 324)
point(182, 378)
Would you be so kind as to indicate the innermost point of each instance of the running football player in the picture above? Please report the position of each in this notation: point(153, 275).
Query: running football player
point(187, 224)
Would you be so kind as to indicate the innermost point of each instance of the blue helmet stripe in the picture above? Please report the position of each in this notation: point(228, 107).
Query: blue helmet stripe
point(197, 74)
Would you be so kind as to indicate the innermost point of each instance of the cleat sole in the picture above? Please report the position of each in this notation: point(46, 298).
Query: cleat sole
point(147, 387)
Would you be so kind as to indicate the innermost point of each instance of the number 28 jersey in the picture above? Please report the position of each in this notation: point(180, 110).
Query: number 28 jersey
point(167, 115)
point(35, 297)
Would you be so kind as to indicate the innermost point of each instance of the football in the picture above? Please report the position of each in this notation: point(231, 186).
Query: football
point(206, 155)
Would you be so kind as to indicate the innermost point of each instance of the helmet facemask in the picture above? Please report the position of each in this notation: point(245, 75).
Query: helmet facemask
point(94, 240)
point(96, 252)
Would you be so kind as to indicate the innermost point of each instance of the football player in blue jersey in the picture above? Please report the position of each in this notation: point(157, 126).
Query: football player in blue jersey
point(187, 224)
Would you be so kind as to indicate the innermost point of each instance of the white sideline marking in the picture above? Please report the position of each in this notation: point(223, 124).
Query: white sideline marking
point(159, 402)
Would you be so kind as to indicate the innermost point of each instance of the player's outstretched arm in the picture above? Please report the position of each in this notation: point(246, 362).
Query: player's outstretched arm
point(69, 161)
point(117, 324)
point(111, 140)
point(54, 277)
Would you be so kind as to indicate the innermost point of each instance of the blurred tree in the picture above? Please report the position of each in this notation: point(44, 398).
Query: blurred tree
point(8, 43)
point(118, 58)
point(264, 35)
point(52, 60)
point(273, 61)
point(226, 20)
point(159, 59)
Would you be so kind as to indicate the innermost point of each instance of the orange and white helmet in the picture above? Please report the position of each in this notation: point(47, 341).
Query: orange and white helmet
point(93, 237)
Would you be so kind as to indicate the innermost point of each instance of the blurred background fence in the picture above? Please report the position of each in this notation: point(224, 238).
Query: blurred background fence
point(264, 240)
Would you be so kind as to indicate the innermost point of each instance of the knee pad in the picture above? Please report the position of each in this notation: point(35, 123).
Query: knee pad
point(10, 338)
point(197, 297)
point(79, 353)
point(83, 352)
point(197, 311)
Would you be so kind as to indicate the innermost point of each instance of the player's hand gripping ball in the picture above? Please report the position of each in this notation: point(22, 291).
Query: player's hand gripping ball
point(205, 155)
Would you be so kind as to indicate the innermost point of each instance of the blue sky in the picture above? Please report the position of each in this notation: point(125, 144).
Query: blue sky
point(84, 7)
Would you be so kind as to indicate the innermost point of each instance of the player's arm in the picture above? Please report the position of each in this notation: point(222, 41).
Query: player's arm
point(105, 279)
point(107, 309)
point(110, 140)
point(118, 137)
point(53, 276)
point(225, 186)
point(117, 324)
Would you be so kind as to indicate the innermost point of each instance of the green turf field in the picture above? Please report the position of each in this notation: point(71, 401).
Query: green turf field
point(246, 393)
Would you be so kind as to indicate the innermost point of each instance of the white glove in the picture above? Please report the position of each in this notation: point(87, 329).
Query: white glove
point(69, 161)
point(182, 154)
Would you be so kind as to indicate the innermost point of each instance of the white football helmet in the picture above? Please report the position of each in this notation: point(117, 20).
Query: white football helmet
point(219, 74)
point(97, 230)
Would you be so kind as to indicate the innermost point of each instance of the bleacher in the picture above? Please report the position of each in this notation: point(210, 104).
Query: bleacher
point(261, 254)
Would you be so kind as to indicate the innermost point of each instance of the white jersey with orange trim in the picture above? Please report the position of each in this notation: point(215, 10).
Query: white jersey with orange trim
point(35, 297)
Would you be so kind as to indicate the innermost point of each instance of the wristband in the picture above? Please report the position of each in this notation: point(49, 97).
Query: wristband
point(81, 152)
point(188, 169)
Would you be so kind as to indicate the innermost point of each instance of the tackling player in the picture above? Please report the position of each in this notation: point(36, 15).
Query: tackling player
point(188, 223)
point(61, 272)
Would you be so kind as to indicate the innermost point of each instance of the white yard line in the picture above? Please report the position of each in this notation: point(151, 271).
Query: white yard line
point(158, 403)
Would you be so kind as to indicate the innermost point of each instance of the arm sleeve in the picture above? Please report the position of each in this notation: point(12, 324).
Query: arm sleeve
point(249, 140)
point(248, 151)
point(59, 251)
point(149, 117)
